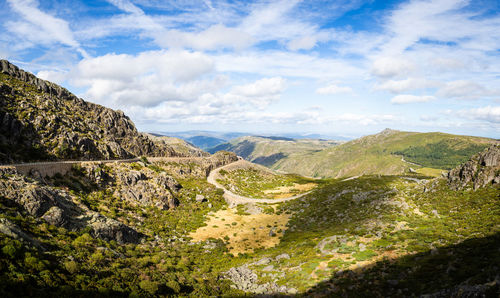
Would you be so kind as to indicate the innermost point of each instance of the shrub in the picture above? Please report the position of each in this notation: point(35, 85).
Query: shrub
point(149, 286)
point(71, 266)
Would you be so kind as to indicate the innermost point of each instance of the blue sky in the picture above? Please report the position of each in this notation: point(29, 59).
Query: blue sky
point(333, 67)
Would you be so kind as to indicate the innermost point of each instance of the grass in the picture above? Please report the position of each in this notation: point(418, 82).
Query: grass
point(257, 183)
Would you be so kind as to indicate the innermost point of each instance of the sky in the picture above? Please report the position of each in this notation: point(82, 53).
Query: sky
point(346, 68)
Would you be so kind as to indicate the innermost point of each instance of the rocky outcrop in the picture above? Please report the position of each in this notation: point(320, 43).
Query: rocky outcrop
point(38, 200)
point(481, 170)
point(43, 121)
point(246, 279)
point(56, 207)
point(110, 229)
point(202, 166)
point(147, 190)
point(218, 159)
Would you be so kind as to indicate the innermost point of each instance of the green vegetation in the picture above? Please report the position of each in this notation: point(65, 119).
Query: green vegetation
point(376, 219)
point(379, 154)
point(77, 263)
point(256, 183)
point(445, 154)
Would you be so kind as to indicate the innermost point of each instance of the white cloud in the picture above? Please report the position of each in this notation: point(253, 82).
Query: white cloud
point(54, 76)
point(275, 63)
point(464, 89)
point(407, 98)
point(489, 113)
point(392, 67)
point(407, 85)
point(37, 26)
point(263, 87)
point(302, 43)
point(146, 79)
point(215, 37)
point(333, 89)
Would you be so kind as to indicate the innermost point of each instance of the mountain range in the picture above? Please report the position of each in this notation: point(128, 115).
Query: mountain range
point(389, 152)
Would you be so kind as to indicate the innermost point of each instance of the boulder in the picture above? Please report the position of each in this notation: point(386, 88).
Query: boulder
point(200, 198)
point(110, 229)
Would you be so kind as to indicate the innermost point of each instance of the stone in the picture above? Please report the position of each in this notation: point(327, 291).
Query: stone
point(263, 261)
point(110, 229)
point(55, 216)
point(268, 268)
point(200, 198)
point(283, 256)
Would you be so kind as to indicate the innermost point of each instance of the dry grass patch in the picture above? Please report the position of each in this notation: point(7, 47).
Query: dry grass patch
point(287, 191)
point(243, 233)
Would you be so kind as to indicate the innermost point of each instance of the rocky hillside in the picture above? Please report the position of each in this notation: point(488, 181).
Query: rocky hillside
point(268, 151)
point(481, 170)
point(181, 147)
point(389, 152)
point(43, 121)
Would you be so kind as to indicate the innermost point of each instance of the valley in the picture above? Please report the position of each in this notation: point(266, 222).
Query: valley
point(101, 209)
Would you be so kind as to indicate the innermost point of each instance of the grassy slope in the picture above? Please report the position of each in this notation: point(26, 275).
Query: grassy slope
point(373, 154)
point(392, 224)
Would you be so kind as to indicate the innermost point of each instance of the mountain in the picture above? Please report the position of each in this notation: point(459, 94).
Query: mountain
point(268, 151)
point(43, 121)
point(390, 152)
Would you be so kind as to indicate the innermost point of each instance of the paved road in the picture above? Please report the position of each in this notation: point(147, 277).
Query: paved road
point(48, 163)
point(233, 199)
point(50, 168)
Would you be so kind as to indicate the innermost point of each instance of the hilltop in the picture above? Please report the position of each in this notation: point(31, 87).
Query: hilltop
point(43, 121)
point(389, 152)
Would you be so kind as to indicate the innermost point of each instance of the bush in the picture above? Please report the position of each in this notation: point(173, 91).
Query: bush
point(71, 266)
point(149, 286)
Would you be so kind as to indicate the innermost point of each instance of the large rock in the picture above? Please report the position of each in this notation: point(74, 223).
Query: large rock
point(110, 229)
point(481, 170)
point(156, 191)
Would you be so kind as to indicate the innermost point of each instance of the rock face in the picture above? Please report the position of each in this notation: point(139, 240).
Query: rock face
point(43, 121)
point(481, 170)
point(56, 207)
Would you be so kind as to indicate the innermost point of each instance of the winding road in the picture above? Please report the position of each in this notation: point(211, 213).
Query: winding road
point(233, 199)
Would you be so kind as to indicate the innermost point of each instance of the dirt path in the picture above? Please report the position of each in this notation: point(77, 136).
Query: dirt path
point(233, 199)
